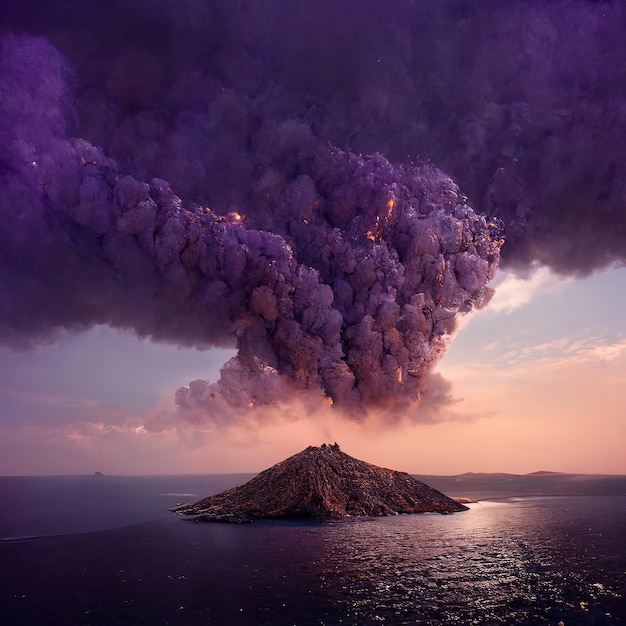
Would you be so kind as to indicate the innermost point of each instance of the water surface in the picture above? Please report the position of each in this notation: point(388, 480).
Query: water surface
point(105, 550)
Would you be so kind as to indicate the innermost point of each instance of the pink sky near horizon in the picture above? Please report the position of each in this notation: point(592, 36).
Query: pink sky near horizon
point(539, 381)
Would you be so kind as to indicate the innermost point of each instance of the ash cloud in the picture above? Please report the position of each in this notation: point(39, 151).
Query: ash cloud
point(332, 272)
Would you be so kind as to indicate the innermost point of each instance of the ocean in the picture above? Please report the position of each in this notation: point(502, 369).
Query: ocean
point(105, 550)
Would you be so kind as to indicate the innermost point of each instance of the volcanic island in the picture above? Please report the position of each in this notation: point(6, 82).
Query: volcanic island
point(321, 483)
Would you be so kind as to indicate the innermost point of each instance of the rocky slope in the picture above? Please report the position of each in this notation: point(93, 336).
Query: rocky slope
point(321, 483)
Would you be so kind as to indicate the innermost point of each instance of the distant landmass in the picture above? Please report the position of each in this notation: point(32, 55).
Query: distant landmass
point(322, 482)
point(484, 486)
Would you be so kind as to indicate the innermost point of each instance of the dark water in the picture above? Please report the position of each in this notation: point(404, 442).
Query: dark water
point(104, 550)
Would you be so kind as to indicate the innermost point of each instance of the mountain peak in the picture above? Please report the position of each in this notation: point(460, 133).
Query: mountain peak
point(322, 482)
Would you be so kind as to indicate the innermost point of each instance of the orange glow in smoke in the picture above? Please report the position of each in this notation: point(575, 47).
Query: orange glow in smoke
point(390, 204)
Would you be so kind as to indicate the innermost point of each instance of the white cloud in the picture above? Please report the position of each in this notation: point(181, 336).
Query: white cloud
point(513, 291)
point(563, 352)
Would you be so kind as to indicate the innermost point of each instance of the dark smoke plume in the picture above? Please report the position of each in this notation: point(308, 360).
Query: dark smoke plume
point(331, 271)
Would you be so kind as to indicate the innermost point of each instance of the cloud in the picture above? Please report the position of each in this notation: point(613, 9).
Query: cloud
point(513, 290)
point(345, 277)
point(579, 352)
point(333, 272)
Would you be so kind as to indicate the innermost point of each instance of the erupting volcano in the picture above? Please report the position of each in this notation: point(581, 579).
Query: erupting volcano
point(322, 483)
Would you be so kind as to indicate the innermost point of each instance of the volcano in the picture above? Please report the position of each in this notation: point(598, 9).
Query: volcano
point(321, 483)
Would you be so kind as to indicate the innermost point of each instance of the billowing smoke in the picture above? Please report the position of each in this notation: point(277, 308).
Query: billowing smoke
point(350, 286)
point(228, 202)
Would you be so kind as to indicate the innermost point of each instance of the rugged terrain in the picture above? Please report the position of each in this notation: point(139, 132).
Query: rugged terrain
point(321, 482)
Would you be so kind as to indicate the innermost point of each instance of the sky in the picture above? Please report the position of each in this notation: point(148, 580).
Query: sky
point(232, 230)
point(538, 379)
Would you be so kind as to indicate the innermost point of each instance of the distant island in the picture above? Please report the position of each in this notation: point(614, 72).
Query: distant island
point(489, 486)
point(321, 483)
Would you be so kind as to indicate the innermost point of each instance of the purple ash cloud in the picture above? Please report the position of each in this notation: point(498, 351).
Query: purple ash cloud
point(330, 271)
